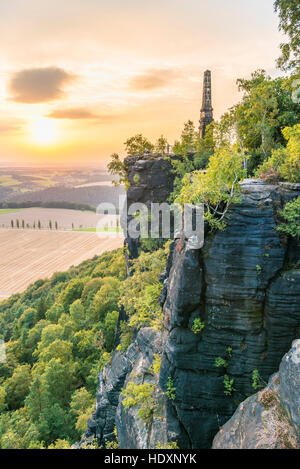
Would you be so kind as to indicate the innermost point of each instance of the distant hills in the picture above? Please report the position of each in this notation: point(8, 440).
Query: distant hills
point(92, 195)
point(27, 186)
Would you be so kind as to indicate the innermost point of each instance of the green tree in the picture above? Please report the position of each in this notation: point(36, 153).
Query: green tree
point(42, 308)
point(82, 406)
point(17, 387)
point(217, 188)
point(72, 292)
point(116, 167)
point(138, 145)
point(256, 123)
point(2, 399)
point(77, 313)
point(106, 299)
point(161, 146)
point(285, 162)
point(191, 153)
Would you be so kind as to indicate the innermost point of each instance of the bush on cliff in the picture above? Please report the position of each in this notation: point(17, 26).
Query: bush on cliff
point(291, 217)
point(285, 160)
point(141, 291)
point(217, 188)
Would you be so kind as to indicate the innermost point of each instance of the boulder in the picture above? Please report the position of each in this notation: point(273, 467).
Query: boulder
point(269, 419)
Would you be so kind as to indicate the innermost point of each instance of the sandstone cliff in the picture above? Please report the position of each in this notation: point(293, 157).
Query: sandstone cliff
point(244, 287)
point(271, 418)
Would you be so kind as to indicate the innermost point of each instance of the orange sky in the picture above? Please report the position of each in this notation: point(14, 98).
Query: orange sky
point(79, 77)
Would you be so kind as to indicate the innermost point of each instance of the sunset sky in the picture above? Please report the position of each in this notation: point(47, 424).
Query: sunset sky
point(77, 77)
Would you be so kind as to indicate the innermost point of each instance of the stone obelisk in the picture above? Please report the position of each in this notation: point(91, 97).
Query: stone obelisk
point(206, 113)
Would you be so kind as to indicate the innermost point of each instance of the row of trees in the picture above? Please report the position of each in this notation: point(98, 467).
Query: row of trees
point(35, 225)
point(17, 224)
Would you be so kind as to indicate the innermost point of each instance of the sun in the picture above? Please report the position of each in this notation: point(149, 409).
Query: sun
point(44, 131)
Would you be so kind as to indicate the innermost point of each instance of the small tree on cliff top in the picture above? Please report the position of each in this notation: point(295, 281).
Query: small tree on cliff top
point(138, 145)
point(218, 187)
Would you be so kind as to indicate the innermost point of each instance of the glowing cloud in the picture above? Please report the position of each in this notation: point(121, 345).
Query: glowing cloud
point(152, 79)
point(78, 113)
point(38, 85)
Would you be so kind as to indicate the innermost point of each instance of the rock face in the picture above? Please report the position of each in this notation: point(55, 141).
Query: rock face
point(134, 365)
point(271, 418)
point(151, 181)
point(244, 286)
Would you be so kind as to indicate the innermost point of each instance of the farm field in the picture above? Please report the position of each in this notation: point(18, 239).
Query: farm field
point(64, 218)
point(29, 255)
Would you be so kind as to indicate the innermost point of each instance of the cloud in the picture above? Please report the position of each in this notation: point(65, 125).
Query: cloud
point(75, 113)
point(80, 113)
point(153, 79)
point(38, 85)
point(10, 128)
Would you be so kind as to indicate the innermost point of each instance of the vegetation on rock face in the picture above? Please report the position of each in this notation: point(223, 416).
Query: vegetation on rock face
point(171, 390)
point(168, 445)
point(141, 291)
point(228, 385)
point(256, 380)
point(291, 216)
point(116, 167)
point(140, 395)
point(198, 326)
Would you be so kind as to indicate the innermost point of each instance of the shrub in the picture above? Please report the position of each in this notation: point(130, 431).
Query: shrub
point(171, 390)
point(167, 445)
point(221, 362)
point(256, 380)
point(156, 363)
point(140, 395)
point(217, 188)
point(126, 336)
point(291, 216)
point(228, 385)
point(136, 178)
point(284, 162)
point(140, 292)
point(198, 326)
